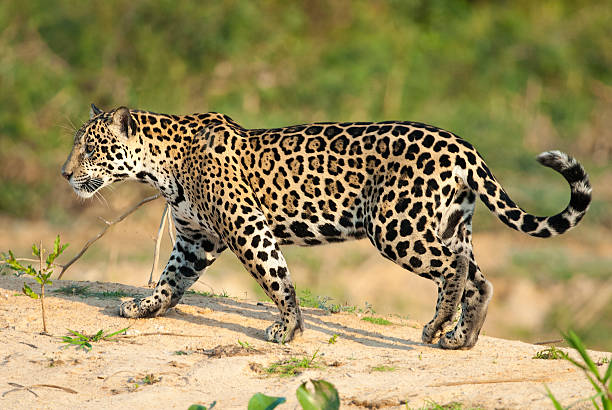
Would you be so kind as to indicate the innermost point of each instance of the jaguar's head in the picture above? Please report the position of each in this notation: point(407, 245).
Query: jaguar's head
point(105, 150)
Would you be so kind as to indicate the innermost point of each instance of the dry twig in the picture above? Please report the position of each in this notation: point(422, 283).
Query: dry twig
point(103, 231)
point(171, 228)
point(18, 387)
point(160, 234)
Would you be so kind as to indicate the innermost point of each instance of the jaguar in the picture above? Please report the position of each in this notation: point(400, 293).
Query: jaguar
point(408, 187)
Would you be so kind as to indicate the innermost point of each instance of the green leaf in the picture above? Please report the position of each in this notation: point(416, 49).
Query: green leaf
point(556, 403)
point(35, 250)
point(325, 396)
point(595, 385)
point(260, 401)
point(197, 407)
point(28, 291)
point(82, 336)
point(98, 335)
point(56, 246)
point(108, 336)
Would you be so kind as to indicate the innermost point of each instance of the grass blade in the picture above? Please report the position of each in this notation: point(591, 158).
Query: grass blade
point(106, 337)
point(608, 374)
point(556, 403)
point(574, 341)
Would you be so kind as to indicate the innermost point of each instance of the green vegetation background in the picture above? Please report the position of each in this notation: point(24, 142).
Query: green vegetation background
point(513, 77)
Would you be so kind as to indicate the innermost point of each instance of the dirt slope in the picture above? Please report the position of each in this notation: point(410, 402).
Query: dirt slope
point(212, 366)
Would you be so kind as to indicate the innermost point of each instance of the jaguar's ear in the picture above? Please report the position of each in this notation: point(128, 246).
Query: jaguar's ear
point(93, 111)
point(123, 125)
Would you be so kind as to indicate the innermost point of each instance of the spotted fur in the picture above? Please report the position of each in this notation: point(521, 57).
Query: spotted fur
point(408, 187)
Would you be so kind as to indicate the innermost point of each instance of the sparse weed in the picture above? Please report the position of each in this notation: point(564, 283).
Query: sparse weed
point(376, 320)
point(74, 290)
point(337, 308)
point(207, 294)
point(41, 276)
point(180, 353)
point(293, 366)
point(245, 345)
point(112, 294)
point(307, 299)
point(82, 341)
point(432, 405)
point(151, 379)
point(383, 368)
point(551, 353)
point(603, 361)
point(333, 339)
point(368, 309)
point(84, 292)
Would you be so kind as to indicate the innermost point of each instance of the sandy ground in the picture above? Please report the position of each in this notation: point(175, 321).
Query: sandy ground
point(192, 355)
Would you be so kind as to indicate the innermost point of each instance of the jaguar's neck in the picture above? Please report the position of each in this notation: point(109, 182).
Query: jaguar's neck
point(165, 142)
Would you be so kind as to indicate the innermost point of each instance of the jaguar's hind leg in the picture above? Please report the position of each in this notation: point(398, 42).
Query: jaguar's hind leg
point(450, 290)
point(474, 303)
point(457, 234)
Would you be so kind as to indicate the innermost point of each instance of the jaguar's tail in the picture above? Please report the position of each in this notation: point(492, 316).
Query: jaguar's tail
point(497, 200)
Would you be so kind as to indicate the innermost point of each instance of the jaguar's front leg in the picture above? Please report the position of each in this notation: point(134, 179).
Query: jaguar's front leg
point(189, 259)
point(258, 250)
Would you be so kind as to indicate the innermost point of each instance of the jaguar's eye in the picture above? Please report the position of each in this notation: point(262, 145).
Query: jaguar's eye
point(89, 148)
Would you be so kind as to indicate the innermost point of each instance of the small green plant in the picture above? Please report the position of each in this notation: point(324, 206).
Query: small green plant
point(551, 353)
point(202, 407)
point(333, 339)
point(42, 275)
point(383, 368)
point(84, 342)
point(150, 379)
point(376, 320)
point(245, 345)
point(603, 361)
point(602, 384)
point(293, 366)
point(180, 353)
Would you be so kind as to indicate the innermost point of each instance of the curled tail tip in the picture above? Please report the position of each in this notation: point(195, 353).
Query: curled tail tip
point(556, 160)
point(567, 166)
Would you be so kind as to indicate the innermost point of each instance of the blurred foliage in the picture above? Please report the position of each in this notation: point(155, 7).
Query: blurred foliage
point(514, 78)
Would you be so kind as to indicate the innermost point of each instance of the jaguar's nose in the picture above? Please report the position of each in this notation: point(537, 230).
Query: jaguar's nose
point(66, 174)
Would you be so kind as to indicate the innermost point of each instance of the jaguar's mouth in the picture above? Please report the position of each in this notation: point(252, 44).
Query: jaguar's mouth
point(89, 187)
